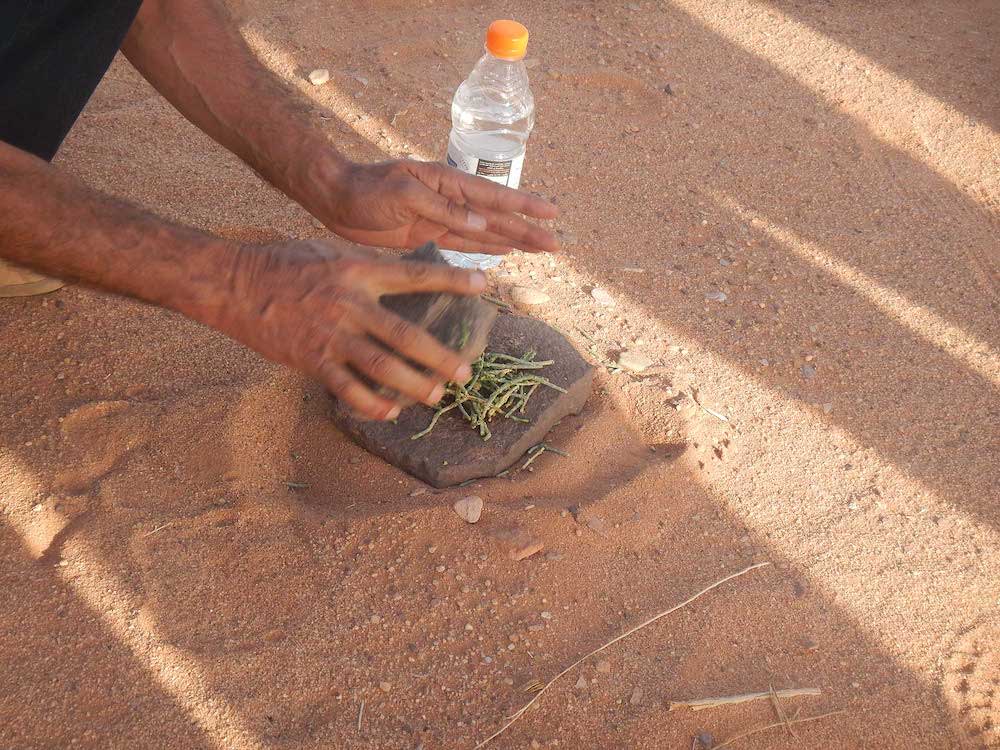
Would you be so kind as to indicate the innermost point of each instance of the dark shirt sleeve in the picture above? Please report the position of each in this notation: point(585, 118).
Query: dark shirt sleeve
point(53, 53)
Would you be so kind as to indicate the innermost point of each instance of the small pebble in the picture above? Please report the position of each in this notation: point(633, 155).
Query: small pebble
point(546, 615)
point(603, 297)
point(384, 686)
point(634, 361)
point(469, 509)
point(707, 740)
point(808, 371)
point(604, 666)
point(581, 683)
point(440, 568)
point(636, 697)
point(319, 76)
point(716, 296)
point(526, 296)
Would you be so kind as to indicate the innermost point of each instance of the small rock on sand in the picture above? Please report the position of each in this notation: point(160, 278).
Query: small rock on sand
point(602, 296)
point(716, 296)
point(526, 296)
point(384, 686)
point(519, 542)
point(634, 361)
point(636, 698)
point(581, 683)
point(469, 509)
point(319, 76)
point(604, 666)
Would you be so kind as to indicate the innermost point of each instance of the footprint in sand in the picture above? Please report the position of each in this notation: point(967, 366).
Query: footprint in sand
point(972, 686)
point(96, 437)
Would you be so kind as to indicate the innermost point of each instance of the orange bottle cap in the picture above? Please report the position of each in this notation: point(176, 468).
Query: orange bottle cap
point(507, 40)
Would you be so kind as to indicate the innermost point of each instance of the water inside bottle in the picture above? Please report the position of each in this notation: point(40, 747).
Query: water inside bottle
point(492, 114)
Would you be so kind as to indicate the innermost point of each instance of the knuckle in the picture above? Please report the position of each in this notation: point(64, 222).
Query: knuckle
point(337, 382)
point(349, 270)
point(378, 363)
point(403, 334)
point(418, 273)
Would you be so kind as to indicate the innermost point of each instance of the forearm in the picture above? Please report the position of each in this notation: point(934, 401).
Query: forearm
point(193, 54)
point(51, 223)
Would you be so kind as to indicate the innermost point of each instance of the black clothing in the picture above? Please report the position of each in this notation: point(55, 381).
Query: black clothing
point(53, 53)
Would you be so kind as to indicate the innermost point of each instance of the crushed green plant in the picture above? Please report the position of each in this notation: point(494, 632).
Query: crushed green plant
point(501, 386)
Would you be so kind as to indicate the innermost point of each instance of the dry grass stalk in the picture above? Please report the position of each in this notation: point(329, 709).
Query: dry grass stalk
point(787, 723)
point(779, 710)
point(700, 704)
point(521, 711)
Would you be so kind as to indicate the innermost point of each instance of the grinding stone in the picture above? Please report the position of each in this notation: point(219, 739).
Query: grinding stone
point(460, 323)
point(454, 452)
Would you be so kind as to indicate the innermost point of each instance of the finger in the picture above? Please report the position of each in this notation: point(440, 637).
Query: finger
point(482, 192)
point(452, 241)
point(405, 276)
point(416, 344)
point(360, 399)
point(518, 232)
point(485, 224)
point(466, 188)
point(381, 366)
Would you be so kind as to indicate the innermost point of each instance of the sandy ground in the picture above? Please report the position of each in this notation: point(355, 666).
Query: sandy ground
point(831, 168)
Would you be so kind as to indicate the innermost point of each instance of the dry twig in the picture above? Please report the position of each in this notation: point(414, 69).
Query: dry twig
point(793, 720)
point(361, 712)
point(700, 704)
point(779, 710)
point(521, 711)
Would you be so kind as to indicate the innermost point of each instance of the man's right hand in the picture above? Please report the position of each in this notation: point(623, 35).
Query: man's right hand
point(314, 305)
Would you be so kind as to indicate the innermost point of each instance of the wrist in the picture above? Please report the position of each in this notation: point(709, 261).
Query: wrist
point(202, 282)
point(320, 180)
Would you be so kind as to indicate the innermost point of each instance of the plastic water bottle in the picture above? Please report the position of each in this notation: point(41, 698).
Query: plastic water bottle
point(492, 115)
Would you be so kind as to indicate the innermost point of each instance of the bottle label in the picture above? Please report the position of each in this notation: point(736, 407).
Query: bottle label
point(503, 172)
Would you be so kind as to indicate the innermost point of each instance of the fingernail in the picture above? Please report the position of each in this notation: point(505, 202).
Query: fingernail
point(477, 280)
point(462, 374)
point(436, 395)
point(392, 413)
point(476, 221)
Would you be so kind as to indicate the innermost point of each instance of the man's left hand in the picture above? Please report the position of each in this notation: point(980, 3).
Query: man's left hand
point(407, 203)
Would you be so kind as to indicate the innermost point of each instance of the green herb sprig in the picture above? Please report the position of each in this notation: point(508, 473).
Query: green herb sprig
point(501, 385)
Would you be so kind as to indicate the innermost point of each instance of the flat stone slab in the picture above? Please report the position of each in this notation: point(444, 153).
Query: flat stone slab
point(453, 452)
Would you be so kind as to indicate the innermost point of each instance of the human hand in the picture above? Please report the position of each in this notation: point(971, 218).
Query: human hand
point(407, 203)
point(314, 305)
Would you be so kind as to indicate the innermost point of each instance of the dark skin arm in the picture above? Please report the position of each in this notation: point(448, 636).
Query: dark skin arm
point(191, 51)
point(309, 305)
